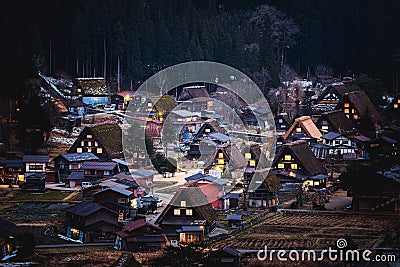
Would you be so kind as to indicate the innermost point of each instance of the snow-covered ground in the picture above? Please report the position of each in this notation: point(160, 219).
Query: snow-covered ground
point(54, 83)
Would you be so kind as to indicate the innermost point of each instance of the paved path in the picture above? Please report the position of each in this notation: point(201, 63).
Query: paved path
point(339, 201)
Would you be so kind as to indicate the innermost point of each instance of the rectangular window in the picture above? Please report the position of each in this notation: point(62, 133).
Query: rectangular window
point(396, 105)
point(89, 149)
point(398, 101)
point(207, 130)
point(293, 166)
point(346, 110)
point(121, 200)
point(220, 155)
point(298, 129)
point(35, 167)
point(247, 155)
point(71, 166)
point(107, 172)
point(280, 121)
point(189, 212)
point(221, 162)
point(82, 143)
point(325, 127)
point(96, 143)
point(89, 136)
point(346, 105)
point(252, 163)
point(281, 166)
point(183, 203)
point(352, 110)
point(177, 212)
point(79, 150)
point(89, 143)
point(288, 157)
point(99, 150)
point(62, 166)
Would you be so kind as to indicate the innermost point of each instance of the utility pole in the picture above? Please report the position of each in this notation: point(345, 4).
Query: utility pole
point(50, 56)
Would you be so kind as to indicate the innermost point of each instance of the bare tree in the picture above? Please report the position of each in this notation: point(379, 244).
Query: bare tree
point(323, 71)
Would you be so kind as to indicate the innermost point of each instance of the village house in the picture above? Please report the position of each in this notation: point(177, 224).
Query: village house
point(188, 217)
point(209, 126)
point(266, 192)
point(56, 110)
point(363, 145)
point(303, 125)
point(226, 257)
point(76, 107)
point(296, 163)
point(66, 163)
point(104, 141)
point(91, 222)
point(35, 183)
point(140, 236)
point(335, 121)
point(35, 164)
point(190, 98)
point(93, 91)
point(332, 95)
point(98, 169)
point(357, 105)
point(75, 179)
point(145, 178)
point(182, 116)
point(11, 171)
point(339, 145)
point(282, 122)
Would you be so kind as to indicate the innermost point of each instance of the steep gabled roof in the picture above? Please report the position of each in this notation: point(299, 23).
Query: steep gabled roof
point(338, 120)
point(35, 159)
point(194, 198)
point(73, 157)
point(340, 88)
point(363, 104)
point(86, 208)
point(191, 92)
point(306, 158)
point(233, 156)
point(110, 136)
point(59, 106)
point(307, 124)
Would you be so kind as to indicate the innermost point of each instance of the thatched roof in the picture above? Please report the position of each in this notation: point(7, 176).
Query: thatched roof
point(233, 155)
point(110, 136)
point(308, 126)
point(195, 199)
point(363, 104)
point(191, 92)
point(304, 156)
point(338, 120)
point(93, 86)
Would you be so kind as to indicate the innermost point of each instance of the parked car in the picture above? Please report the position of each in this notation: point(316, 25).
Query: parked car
point(109, 107)
point(86, 184)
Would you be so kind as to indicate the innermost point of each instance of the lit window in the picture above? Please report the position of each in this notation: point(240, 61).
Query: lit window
point(79, 150)
point(346, 105)
point(207, 130)
point(189, 212)
point(90, 143)
point(247, 155)
point(398, 101)
point(298, 129)
point(89, 149)
point(71, 166)
point(288, 157)
point(89, 136)
point(149, 104)
point(352, 110)
point(396, 105)
point(96, 143)
point(221, 162)
point(355, 116)
point(348, 116)
point(99, 150)
point(325, 127)
point(220, 155)
point(177, 212)
point(62, 166)
point(280, 121)
point(281, 166)
point(293, 166)
point(82, 143)
point(79, 90)
point(183, 203)
point(346, 111)
point(252, 163)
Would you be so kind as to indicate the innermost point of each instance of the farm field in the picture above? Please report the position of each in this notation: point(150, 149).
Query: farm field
point(314, 230)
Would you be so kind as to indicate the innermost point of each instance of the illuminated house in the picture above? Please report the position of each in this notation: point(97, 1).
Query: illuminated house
point(209, 126)
point(296, 163)
point(266, 192)
point(357, 105)
point(91, 222)
point(93, 91)
point(11, 171)
point(188, 96)
point(282, 122)
point(66, 163)
point(332, 95)
point(104, 141)
point(334, 121)
point(35, 164)
point(140, 236)
point(188, 217)
point(303, 125)
point(339, 145)
point(227, 157)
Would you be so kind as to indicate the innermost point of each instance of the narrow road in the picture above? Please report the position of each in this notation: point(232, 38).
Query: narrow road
point(74, 245)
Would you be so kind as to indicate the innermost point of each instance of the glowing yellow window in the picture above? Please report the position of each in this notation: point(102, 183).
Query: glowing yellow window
point(220, 155)
point(346, 111)
point(79, 90)
point(89, 136)
point(99, 150)
point(352, 110)
point(183, 203)
point(189, 212)
point(281, 166)
point(177, 212)
point(247, 155)
point(325, 127)
point(355, 116)
point(396, 105)
point(79, 150)
point(252, 163)
point(221, 162)
point(398, 101)
point(89, 149)
point(288, 157)
point(346, 105)
point(208, 130)
point(298, 129)
point(293, 166)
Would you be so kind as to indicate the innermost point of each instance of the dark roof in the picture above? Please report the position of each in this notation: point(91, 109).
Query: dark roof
point(363, 104)
point(85, 208)
point(194, 198)
point(129, 183)
point(5, 225)
point(76, 103)
point(138, 224)
point(11, 163)
point(340, 88)
point(193, 92)
point(116, 189)
point(110, 136)
point(99, 165)
point(183, 113)
point(234, 156)
point(143, 173)
point(389, 140)
point(193, 177)
point(36, 158)
point(306, 158)
point(338, 120)
point(76, 175)
point(214, 124)
point(234, 217)
point(71, 157)
point(230, 250)
point(331, 135)
point(209, 178)
point(220, 137)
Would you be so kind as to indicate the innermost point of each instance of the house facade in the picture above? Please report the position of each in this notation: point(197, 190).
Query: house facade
point(66, 163)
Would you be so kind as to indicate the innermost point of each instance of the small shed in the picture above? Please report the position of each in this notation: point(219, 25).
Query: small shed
point(234, 219)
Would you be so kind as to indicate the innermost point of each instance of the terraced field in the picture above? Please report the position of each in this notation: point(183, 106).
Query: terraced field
point(304, 230)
